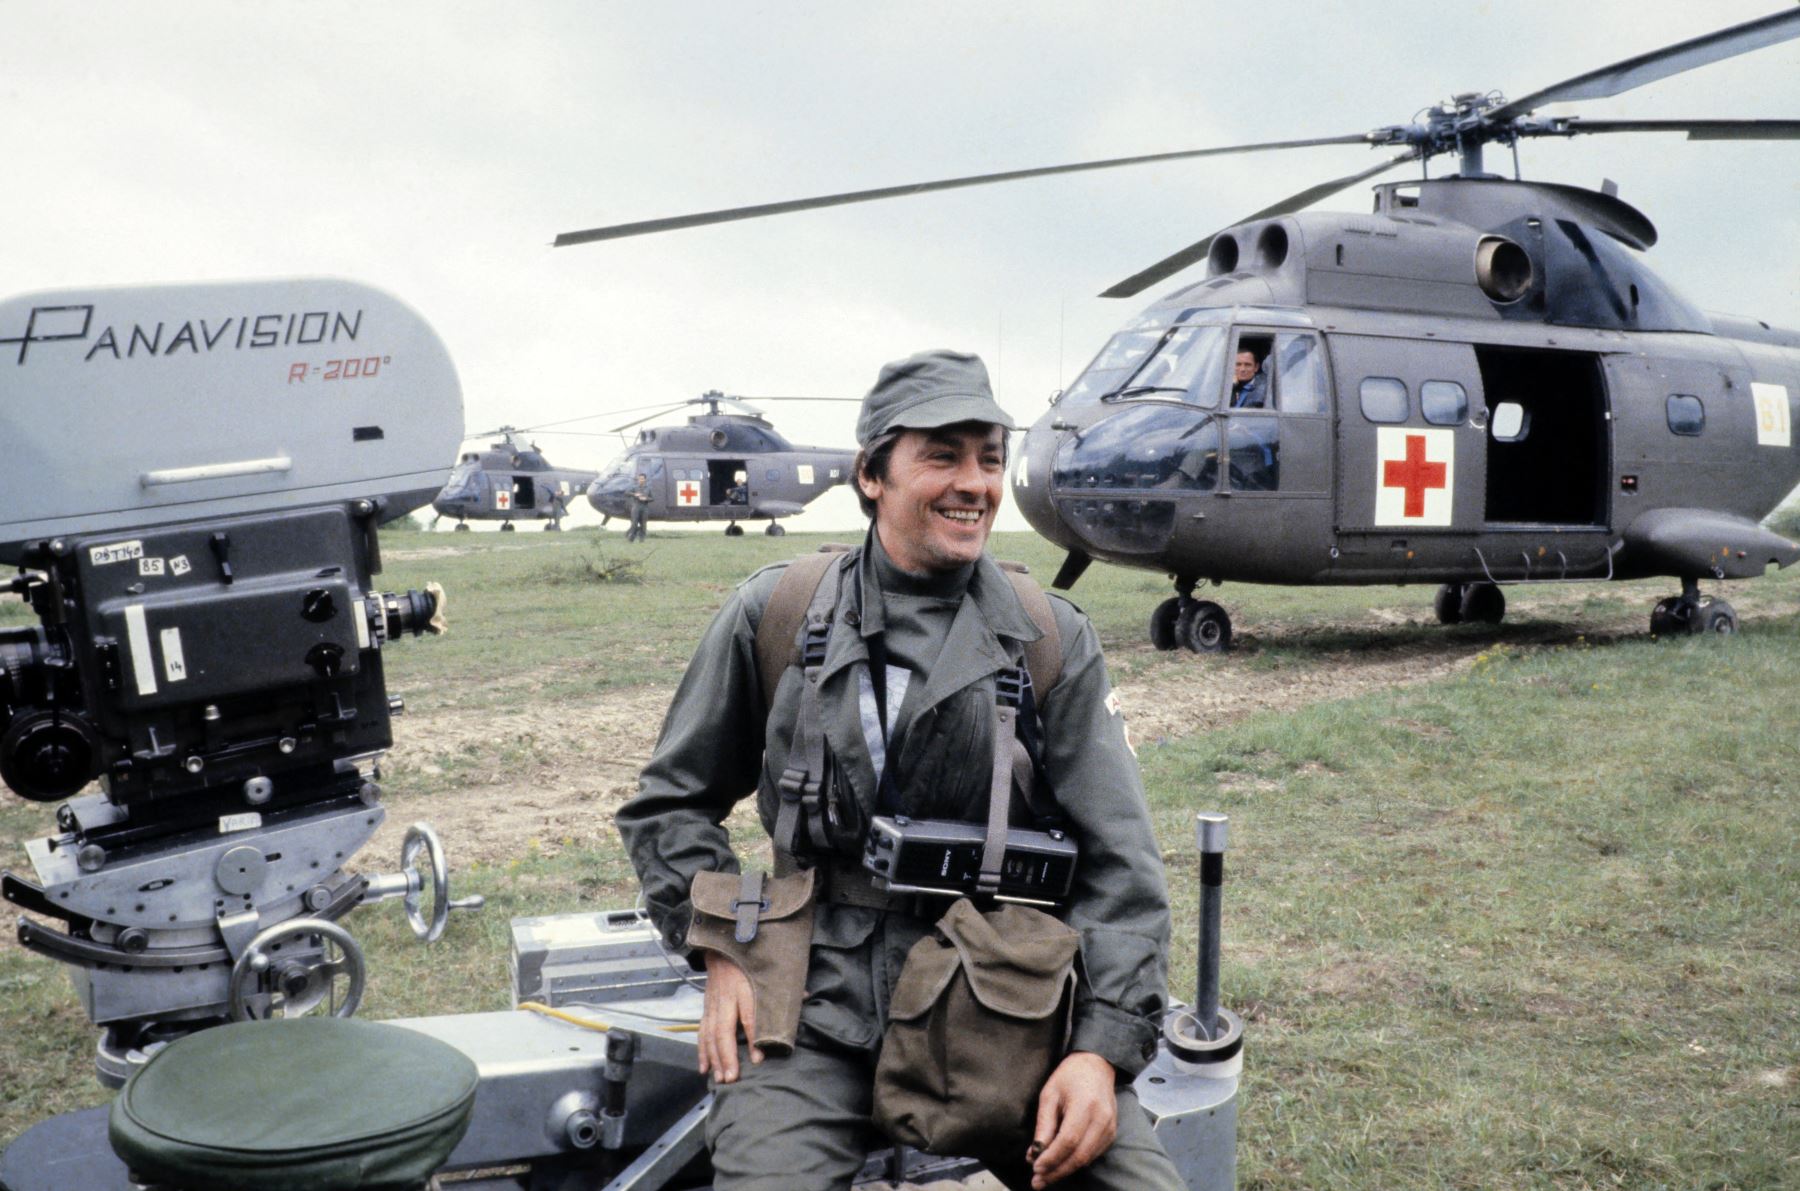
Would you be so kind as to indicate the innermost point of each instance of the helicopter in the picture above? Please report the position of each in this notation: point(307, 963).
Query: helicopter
point(508, 480)
point(1479, 383)
point(725, 464)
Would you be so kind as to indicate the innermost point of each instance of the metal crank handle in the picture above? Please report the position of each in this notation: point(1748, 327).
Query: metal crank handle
point(410, 882)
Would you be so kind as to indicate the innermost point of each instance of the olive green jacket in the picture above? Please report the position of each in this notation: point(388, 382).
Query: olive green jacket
point(718, 746)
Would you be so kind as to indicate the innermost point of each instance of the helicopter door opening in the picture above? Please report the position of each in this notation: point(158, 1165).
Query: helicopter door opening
point(728, 481)
point(524, 493)
point(1546, 442)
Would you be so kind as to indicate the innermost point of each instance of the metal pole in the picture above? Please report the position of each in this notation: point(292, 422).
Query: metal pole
point(1210, 830)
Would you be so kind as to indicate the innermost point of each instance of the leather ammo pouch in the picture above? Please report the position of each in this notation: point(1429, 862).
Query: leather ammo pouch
point(979, 1018)
point(764, 925)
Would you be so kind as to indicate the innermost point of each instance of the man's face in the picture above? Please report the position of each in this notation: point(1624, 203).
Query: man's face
point(936, 507)
point(1246, 367)
point(642, 477)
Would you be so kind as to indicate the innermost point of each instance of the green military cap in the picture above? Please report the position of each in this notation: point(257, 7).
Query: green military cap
point(923, 392)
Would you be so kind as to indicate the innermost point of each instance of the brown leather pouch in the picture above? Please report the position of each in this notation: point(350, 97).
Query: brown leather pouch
point(764, 925)
point(979, 1018)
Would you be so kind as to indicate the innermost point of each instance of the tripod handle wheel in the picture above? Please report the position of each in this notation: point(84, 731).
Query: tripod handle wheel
point(294, 988)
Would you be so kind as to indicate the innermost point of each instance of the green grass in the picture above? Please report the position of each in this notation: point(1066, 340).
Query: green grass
point(1536, 924)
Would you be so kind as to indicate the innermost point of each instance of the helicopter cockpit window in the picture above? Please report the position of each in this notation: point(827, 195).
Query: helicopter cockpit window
point(462, 480)
point(1184, 363)
point(1686, 414)
point(1255, 454)
point(1384, 399)
point(1159, 446)
point(1123, 354)
point(1443, 402)
point(1299, 374)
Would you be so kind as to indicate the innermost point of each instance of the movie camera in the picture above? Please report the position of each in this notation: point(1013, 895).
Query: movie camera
point(207, 653)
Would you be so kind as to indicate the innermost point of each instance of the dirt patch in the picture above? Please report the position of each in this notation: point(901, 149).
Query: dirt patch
point(544, 778)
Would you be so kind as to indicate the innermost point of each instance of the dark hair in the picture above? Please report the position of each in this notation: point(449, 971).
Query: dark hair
point(872, 461)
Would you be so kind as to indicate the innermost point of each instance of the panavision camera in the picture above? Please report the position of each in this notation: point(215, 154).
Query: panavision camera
point(190, 484)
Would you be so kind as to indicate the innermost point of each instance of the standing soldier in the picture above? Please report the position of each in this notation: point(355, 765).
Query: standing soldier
point(882, 701)
point(640, 508)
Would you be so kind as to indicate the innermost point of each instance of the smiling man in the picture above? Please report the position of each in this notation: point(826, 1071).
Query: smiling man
point(885, 705)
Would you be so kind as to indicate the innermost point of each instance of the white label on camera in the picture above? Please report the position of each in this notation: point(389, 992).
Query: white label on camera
point(137, 637)
point(174, 662)
point(246, 821)
point(150, 567)
point(117, 552)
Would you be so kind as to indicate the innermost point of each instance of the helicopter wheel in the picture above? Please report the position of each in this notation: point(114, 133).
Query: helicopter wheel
point(1715, 618)
point(1449, 602)
point(1483, 603)
point(1670, 617)
point(1204, 627)
point(552, 527)
point(507, 527)
point(1163, 623)
point(734, 530)
point(776, 530)
point(462, 527)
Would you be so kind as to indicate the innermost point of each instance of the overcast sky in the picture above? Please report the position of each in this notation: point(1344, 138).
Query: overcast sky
point(435, 149)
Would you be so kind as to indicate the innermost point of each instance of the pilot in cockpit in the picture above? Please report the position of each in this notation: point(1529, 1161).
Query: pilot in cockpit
point(1249, 389)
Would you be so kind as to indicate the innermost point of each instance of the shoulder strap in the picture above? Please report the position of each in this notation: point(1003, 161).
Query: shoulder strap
point(1043, 657)
point(777, 634)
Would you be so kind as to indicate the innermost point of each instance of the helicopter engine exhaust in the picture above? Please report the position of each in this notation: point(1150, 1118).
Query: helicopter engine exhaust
point(1503, 269)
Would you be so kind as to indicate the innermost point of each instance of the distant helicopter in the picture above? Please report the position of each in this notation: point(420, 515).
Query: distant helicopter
point(726, 464)
point(508, 481)
point(1480, 383)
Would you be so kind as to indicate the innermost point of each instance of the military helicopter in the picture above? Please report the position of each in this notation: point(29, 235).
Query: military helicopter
point(1479, 383)
point(725, 464)
point(506, 481)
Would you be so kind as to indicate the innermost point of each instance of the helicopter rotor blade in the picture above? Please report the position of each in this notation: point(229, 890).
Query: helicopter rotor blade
point(1659, 64)
point(1697, 130)
point(645, 227)
point(1170, 265)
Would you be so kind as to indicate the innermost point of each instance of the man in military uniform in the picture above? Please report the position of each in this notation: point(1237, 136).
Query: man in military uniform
point(921, 594)
point(640, 508)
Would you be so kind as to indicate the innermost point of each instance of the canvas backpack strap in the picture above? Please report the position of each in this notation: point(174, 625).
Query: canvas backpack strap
point(1043, 657)
point(800, 827)
point(777, 634)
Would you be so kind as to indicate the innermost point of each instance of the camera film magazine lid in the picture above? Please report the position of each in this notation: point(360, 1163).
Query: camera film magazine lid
point(141, 405)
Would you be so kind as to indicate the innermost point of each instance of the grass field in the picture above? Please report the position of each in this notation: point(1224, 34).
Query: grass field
point(1506, 907)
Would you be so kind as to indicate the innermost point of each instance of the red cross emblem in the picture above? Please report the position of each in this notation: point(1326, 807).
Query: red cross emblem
point(1414, 476)
point(687, 494)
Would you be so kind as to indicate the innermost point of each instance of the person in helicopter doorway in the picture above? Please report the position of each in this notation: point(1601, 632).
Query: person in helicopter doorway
point(919, 629)
point(640, 509)
point(1248, 388)
point(739, 492)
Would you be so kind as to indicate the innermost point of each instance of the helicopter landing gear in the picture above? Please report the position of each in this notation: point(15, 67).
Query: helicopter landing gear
point(1204, 627)
point(1469, 603)
point(734, 530)
point(462, 527)
point(1163, 622)
point(507, 527)
point(1692, 614)
point(1181, 620)
point(776, 530)
point(552, 527)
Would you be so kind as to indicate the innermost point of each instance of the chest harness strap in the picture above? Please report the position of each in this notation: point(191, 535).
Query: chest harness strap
point(805, 786)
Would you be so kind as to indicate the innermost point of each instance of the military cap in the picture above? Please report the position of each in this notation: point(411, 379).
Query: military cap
point(923, 392)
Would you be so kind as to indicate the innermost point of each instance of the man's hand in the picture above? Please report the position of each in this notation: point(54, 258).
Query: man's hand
point(729, 1003)
point(1078, 1117)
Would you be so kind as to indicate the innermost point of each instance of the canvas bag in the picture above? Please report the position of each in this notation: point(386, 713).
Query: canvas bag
point(775, 959)
point(979, 1018)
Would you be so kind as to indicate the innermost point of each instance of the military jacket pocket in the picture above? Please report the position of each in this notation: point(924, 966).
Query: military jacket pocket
point(978, 1020)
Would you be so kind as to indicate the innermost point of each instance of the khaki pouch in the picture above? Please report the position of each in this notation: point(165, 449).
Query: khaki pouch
point(775, 957)
point(979, 1018)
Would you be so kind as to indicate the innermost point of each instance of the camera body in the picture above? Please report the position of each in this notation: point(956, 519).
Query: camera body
point(943, 857)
